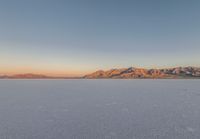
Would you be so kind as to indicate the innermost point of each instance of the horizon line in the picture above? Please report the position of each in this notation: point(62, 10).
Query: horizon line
point(59, 75)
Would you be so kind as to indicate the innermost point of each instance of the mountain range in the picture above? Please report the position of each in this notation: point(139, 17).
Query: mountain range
point(123, 73)
point(134, 73)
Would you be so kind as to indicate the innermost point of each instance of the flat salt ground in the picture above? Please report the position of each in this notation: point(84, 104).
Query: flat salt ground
point(99, 109)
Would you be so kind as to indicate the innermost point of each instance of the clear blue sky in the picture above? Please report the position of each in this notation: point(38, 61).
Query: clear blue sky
point(79, 36)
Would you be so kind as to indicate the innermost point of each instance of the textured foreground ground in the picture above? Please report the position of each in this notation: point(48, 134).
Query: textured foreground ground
point(99, 109)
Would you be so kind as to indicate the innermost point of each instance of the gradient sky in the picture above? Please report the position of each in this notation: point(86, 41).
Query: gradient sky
point(75, 37)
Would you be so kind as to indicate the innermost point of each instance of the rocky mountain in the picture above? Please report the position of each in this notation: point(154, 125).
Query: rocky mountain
point(128, 73)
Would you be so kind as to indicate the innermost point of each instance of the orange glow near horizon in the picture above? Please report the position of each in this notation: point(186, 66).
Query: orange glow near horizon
point(49, 72)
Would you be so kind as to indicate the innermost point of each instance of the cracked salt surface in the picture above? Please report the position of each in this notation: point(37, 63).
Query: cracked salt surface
point(99, 109)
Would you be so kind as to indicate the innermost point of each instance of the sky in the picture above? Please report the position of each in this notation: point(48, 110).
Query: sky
point(76, 37)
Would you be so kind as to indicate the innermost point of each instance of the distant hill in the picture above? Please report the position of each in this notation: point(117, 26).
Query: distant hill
point(28, 76)
point(33, 76)
point(24, 76)
point(131, 73)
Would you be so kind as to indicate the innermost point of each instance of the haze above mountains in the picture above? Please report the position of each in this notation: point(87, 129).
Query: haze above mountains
point(123, 73)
